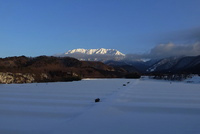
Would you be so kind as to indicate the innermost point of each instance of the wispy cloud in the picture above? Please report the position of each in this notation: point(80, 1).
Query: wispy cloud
point(177, 43)
point(187, 36)
point(168, 50)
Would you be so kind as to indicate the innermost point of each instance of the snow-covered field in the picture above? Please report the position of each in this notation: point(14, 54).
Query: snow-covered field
point(141, 107)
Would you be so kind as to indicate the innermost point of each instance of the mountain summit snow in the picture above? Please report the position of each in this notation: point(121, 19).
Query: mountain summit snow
point(101, 51)
point(100, 54)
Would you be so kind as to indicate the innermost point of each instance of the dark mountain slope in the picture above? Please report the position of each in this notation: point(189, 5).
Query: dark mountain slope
point(44, 68)
point(188, 64)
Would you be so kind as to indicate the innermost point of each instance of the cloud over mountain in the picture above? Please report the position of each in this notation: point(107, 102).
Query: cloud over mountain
point(188, 36)
point(168, 50)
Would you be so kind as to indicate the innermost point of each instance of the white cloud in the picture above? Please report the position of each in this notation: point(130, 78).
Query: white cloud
point(169, 50)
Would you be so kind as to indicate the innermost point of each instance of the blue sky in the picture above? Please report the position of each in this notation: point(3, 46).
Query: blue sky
point(47, 27)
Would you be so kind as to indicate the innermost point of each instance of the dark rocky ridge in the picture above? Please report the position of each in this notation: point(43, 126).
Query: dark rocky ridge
point(50, 69)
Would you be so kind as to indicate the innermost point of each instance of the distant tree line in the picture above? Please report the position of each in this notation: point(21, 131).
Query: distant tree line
point(172, 77)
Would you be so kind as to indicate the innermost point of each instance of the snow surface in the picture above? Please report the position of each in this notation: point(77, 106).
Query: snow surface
point(193, 79)
point(141, 107)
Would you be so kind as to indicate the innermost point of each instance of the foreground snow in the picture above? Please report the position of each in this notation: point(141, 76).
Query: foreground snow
point(140, 107)
point(193, 79)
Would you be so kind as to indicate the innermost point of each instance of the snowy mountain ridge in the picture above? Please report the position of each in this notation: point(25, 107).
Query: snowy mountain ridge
point(164, 64)
point(100, 51)
point(184, 64)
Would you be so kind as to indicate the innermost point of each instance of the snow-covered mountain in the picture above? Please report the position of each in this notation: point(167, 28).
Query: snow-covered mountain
point(100, 54)
point(101, 51)
point(164, 64)
point(177, 64)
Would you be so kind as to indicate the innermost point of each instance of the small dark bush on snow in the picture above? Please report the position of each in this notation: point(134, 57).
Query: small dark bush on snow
point(97, 100)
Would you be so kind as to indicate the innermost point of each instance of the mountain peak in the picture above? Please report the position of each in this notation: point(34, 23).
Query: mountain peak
point(100, 51)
